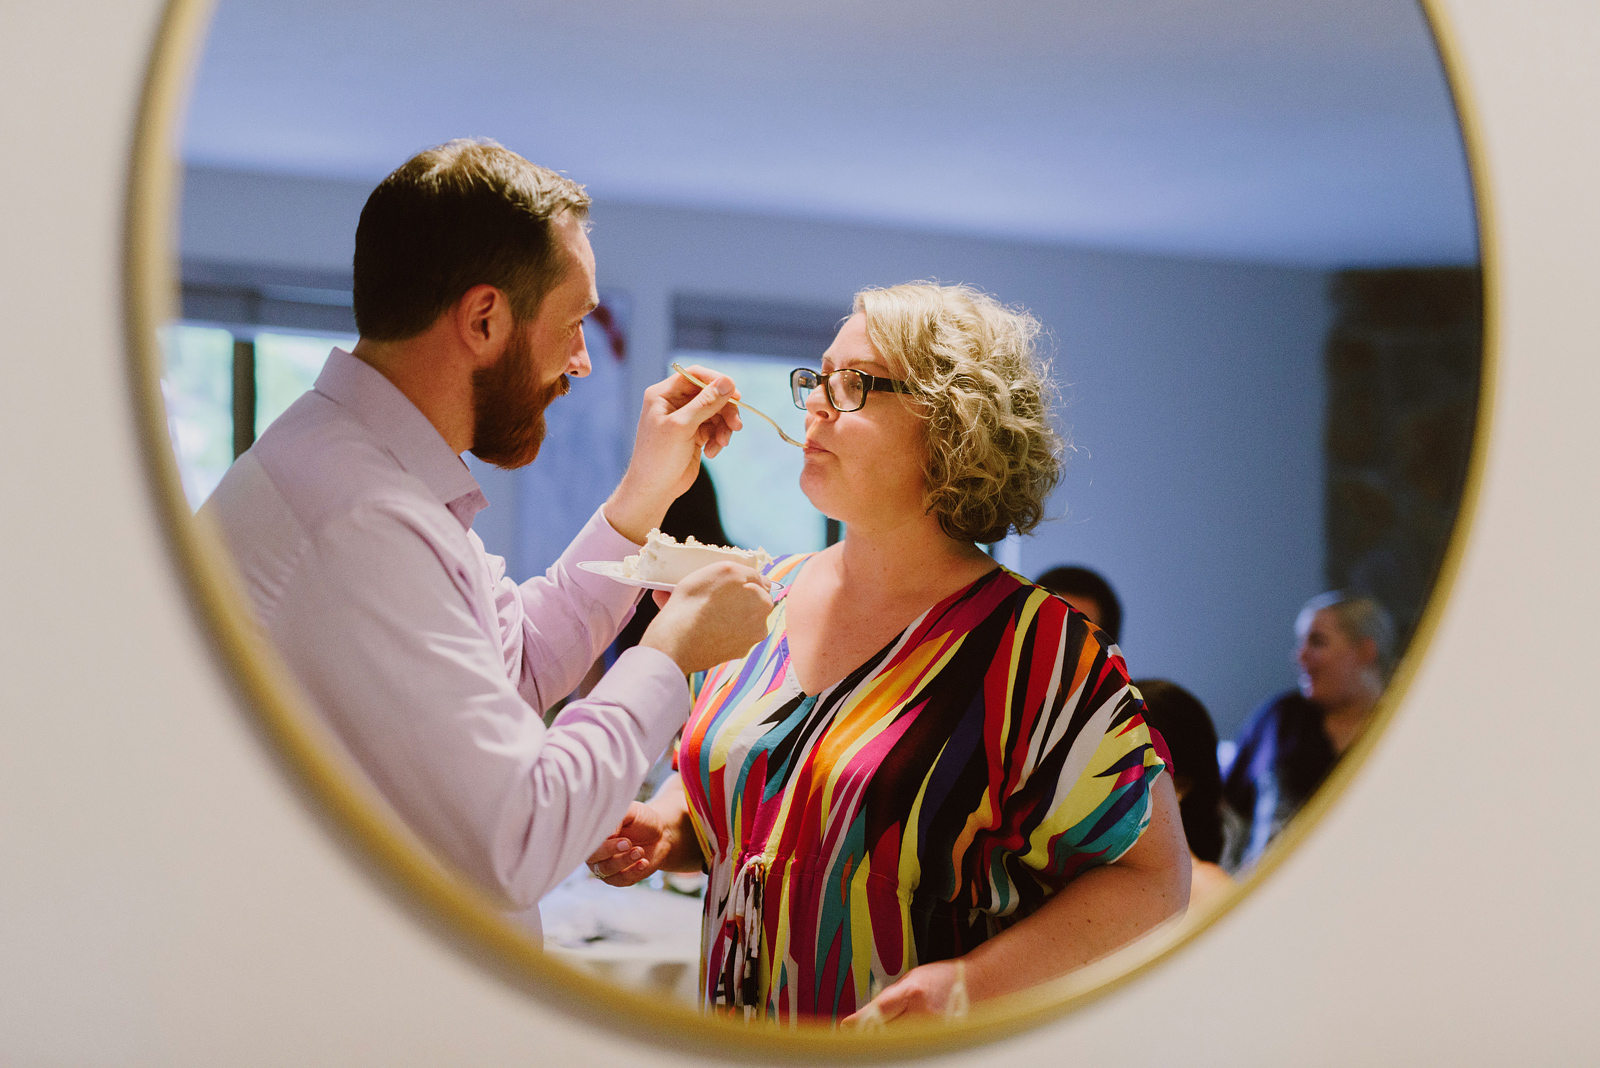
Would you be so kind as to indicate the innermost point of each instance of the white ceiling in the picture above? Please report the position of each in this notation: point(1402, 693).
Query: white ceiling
point(1299, 131)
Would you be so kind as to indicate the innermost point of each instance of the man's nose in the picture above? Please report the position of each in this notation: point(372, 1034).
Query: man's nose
point(579, 366)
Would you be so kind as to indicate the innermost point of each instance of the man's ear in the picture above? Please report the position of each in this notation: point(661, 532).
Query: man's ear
point(483, 323)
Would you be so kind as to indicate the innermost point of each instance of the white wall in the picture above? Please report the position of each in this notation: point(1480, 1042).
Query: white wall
point(1194, 393)
point(166, 899)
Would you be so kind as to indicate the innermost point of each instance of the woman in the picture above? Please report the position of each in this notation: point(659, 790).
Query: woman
point(1191, 738)
point(931, 782)
point(1291, 743)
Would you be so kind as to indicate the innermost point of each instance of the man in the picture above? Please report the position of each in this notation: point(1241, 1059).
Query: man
point(350, 521)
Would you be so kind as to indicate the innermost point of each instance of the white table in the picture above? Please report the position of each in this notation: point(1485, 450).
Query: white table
point(639, 936)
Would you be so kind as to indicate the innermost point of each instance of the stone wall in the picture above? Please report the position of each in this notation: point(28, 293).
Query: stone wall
point(1404, 360)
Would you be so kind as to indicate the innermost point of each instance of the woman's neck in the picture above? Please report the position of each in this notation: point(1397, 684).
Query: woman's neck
point(907, 560)
point(1343, 722)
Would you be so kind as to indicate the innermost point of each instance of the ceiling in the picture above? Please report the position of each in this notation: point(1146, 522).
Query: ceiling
point(1316, 132)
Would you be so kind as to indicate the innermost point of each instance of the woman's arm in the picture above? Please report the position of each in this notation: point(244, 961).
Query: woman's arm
point(652, 837)
point(1099, 911)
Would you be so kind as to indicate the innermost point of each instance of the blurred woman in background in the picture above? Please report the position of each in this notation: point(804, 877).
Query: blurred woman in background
point(1345, 652)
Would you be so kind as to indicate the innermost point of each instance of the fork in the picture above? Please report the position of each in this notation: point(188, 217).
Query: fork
point(747, 407)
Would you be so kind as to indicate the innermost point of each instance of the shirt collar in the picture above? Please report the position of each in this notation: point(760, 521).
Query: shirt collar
point(403, 431)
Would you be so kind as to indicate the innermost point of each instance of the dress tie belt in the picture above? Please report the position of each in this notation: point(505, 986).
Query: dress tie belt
point(743, 927)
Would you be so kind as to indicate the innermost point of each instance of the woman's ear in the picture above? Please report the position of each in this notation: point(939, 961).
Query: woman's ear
point(1369, 651)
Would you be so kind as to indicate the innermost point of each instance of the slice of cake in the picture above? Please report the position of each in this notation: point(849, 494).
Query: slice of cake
point(665, 559)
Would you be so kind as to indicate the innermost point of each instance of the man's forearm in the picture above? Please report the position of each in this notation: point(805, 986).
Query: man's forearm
point(634, 512)
point(570, 616)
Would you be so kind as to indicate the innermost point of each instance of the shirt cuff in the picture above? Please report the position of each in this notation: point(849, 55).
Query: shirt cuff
point(649, 684)
point(606, 535)
point(598, 540)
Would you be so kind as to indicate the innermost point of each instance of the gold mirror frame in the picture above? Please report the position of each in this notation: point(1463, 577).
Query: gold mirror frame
point(449, 904)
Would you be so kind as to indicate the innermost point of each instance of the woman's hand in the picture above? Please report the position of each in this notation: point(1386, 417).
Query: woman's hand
point(650, 838)
point(937, 990)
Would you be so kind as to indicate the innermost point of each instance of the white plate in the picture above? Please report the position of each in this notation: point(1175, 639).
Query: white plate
point(617, 571)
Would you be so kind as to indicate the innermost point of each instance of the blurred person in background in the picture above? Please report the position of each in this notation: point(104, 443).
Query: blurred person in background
point(1089, 593)
point(1185, 725)
point(1344, 654)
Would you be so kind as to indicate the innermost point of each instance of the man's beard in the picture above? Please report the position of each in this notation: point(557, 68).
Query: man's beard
point(508, 404)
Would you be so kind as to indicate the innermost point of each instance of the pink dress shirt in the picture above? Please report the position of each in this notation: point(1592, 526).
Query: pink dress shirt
point(351, 524)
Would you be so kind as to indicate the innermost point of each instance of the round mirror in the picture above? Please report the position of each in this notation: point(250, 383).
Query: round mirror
point(1248, 233)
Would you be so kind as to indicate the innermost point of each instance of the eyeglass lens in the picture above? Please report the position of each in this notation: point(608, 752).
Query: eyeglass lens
point(802, 381)
point(846, 388)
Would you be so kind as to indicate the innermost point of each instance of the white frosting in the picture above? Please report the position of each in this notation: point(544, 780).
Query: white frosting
point(665, 559)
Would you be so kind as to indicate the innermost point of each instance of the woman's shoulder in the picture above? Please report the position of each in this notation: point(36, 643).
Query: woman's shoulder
point(1008, 584)
point(999, 591)
point(1290, 706)
point(1056, 633)
point(1273, 723)
point(1052, 609)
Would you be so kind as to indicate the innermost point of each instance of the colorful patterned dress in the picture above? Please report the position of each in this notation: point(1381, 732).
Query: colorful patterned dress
point(934, 796)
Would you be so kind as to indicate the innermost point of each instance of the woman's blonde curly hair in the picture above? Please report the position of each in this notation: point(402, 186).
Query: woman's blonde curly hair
point(993, 457)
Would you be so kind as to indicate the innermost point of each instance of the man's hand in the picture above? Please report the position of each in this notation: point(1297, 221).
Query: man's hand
point(678, 422)
point(635, 850)
point(714, 615)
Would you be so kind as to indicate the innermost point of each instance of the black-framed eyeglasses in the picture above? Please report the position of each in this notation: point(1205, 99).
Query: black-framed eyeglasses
point(846, 388)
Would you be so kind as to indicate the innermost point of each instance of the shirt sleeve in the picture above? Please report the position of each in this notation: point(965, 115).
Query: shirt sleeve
point(554, 626)
point(1083, 759)
point(383, 630)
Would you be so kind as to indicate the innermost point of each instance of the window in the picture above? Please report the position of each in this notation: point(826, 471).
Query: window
point(225, 384)
point(758, 475)
point(286, 366)
point(251, 340)
point(197, 385)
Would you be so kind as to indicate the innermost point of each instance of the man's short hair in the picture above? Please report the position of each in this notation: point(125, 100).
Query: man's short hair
point(1082, 582)
point(466, 213)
